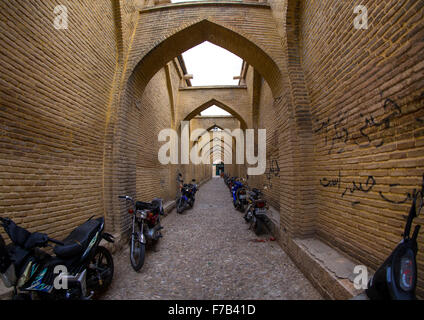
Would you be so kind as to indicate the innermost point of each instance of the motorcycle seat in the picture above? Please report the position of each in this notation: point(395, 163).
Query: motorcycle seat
point(78, 240)
point(155, 205)
point(140, 205)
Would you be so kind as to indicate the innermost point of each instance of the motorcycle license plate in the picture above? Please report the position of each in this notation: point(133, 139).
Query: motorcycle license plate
point(260, 210)
point(242, 196)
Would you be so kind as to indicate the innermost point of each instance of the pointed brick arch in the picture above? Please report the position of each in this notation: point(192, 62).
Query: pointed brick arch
point(152, 49)
point(195, 112)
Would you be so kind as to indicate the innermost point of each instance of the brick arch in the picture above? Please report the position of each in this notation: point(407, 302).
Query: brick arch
point(211, 140)
point(195, 112)
point(148, 55)
point(181, 39)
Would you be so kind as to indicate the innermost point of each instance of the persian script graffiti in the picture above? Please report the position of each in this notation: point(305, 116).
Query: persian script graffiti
point(371, 125)
point(352, 187)
point(408, 196)
point(341, 133)
point(272, 171)
point(366, 187)
point(336, 131)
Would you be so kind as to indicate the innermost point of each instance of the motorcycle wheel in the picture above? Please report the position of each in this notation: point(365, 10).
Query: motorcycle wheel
point(241, 207)
point(137, 254)
point(259, 227)
point(180, 206)
point(102, 272)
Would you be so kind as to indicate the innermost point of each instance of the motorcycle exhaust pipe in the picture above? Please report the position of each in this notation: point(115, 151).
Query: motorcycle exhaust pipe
point(154, 233)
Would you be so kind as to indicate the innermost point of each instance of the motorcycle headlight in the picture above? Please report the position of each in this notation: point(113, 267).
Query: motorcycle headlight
point(142, 214)
point(407, 272)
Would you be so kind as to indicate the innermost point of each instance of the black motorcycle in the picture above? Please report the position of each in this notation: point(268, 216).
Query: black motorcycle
point(256, 213)
point(396, 278)
point(187, 194)
point(79, 269)
point(146, 228)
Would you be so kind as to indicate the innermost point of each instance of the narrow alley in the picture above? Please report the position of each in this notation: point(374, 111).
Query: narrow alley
point(208, 253)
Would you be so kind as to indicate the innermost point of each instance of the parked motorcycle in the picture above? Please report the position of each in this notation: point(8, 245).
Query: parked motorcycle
point(192, 194)
point(256, 213)
point(79, 269)
point(145, 229)
point(241, 197)
point(235, 193)
point(396, 278)
point(187, 194)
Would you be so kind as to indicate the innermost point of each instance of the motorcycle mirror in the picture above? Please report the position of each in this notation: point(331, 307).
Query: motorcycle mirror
point(412, 214)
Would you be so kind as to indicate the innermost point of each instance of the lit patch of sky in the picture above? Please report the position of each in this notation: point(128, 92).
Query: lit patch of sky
point(212, 65)
point(214, 111)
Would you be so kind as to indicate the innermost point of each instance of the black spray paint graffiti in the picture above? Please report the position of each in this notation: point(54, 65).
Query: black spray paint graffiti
point(370, 123)
point(272, 171)
point(342, 134)
point(331, 183)
point(351, 188)
point(366, 188)
point(408, 196)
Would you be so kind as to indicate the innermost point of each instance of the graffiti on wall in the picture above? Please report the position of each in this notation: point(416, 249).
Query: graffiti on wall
point(364, 187)
point(351, 187)
point(336, 130)
point(273, 170)
point(371, 125)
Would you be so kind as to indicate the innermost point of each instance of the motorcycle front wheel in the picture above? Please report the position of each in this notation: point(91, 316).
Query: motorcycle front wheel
point(100, 272)
point(137, 253)
point(241, 207)
point(259, 227)
point(180, 206)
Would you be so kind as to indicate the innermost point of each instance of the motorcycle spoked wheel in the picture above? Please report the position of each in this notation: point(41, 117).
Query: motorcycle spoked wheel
point(137, 253)
point(180, 206)
point(261, 226)
point(100, 272)
point(241, 207)
point(191, 203)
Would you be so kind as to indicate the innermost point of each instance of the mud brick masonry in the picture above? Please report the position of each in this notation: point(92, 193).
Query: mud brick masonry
point(81, 110)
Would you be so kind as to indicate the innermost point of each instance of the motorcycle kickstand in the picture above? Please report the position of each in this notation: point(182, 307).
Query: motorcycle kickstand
point(89, 296)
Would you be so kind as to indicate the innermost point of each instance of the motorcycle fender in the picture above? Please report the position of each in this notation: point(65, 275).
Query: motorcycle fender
point(143, 238)
point(108, 237)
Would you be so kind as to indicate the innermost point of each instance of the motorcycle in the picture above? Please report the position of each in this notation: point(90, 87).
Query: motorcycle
point(145, 229)
point(187, 194)
point(256, 213)
point(235, 193)
point(193, 191)
point(83, 267)
point(241, 198)
point(396, 278)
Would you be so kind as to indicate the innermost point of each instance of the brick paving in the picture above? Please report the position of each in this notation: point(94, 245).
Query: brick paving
point(207, 253)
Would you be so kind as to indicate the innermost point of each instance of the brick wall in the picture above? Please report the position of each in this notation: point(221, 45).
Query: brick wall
point(55, 86)
point(265, 117)
point(366, 91)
